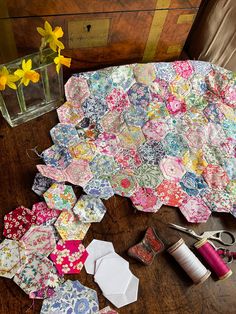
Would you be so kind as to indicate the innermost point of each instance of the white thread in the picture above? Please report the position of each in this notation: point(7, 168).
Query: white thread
point(189, 262)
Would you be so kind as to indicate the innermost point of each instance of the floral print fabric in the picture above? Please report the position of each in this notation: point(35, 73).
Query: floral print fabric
point(166, 130)
point(71, 298)
point(60, 196)
point(69, 256)
point(17, 222)
point(70, 227)
point(89, 209)
point(12, 257)
point(35, 274)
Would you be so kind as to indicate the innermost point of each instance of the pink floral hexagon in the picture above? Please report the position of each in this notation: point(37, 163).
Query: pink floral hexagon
point(183, 68)
point(195, 210)
point(155, 130)
point(107, 144)
point(69, 257)
point(172, 168)
point(117, 100)
point(216, 177)
point(76, 90)
point(170, 193)
point(39, 240)
point(146, 199)
point(43, 213)
point(68, 113)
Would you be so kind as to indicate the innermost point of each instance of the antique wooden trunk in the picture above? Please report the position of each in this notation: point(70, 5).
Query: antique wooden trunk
point(99, 32)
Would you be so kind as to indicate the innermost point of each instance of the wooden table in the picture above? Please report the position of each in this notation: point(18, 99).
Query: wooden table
point(164, 287)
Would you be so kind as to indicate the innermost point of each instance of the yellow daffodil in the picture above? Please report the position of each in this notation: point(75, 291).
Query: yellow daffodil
point(51, 36)
point(26, 74)
point(7, 79)
point(59, 60)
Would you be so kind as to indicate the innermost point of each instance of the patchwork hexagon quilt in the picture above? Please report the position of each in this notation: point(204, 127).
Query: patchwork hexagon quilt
point(159, 133)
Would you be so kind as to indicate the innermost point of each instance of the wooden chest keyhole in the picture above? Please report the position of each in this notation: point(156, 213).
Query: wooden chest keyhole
point(89, 27)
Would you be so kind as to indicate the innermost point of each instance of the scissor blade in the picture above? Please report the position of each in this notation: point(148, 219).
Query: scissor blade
point(186, 230)
point(179, 228)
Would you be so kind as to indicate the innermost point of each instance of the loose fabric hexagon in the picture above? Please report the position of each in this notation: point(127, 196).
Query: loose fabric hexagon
point(35, 275)
point(70, 227)
point(72, 297)
point(195, 210)
point(60, 196)
point(17, 222)
point(89, 209)
point(69, 256)
point(43, 213)
point(12, 257)
point(41, 184)
point(39, 240)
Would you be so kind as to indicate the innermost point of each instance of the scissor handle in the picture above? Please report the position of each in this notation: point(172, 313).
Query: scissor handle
point(217, 236)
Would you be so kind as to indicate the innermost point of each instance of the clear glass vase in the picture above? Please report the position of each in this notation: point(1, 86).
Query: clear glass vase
point(29, 102)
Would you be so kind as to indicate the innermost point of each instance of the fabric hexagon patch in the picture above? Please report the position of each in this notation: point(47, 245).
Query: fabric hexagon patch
point(70, 227)
point(40, 240)
point(12, 257)
point(69, 256)
point(60, 196)
point(17, 222)
point(72, 297)
point(89, 209)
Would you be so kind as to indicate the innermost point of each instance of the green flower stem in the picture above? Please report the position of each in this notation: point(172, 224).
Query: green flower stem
point(3, 108)
point(21, 98)
point(46, 86)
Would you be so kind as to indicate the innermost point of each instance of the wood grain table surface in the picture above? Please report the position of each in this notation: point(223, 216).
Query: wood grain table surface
point(164, 287)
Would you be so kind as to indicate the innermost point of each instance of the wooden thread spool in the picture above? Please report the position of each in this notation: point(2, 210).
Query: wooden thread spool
point(215, 262)
point(189, 262)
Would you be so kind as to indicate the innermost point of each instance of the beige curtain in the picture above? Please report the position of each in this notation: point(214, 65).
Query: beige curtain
point(213, 36)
